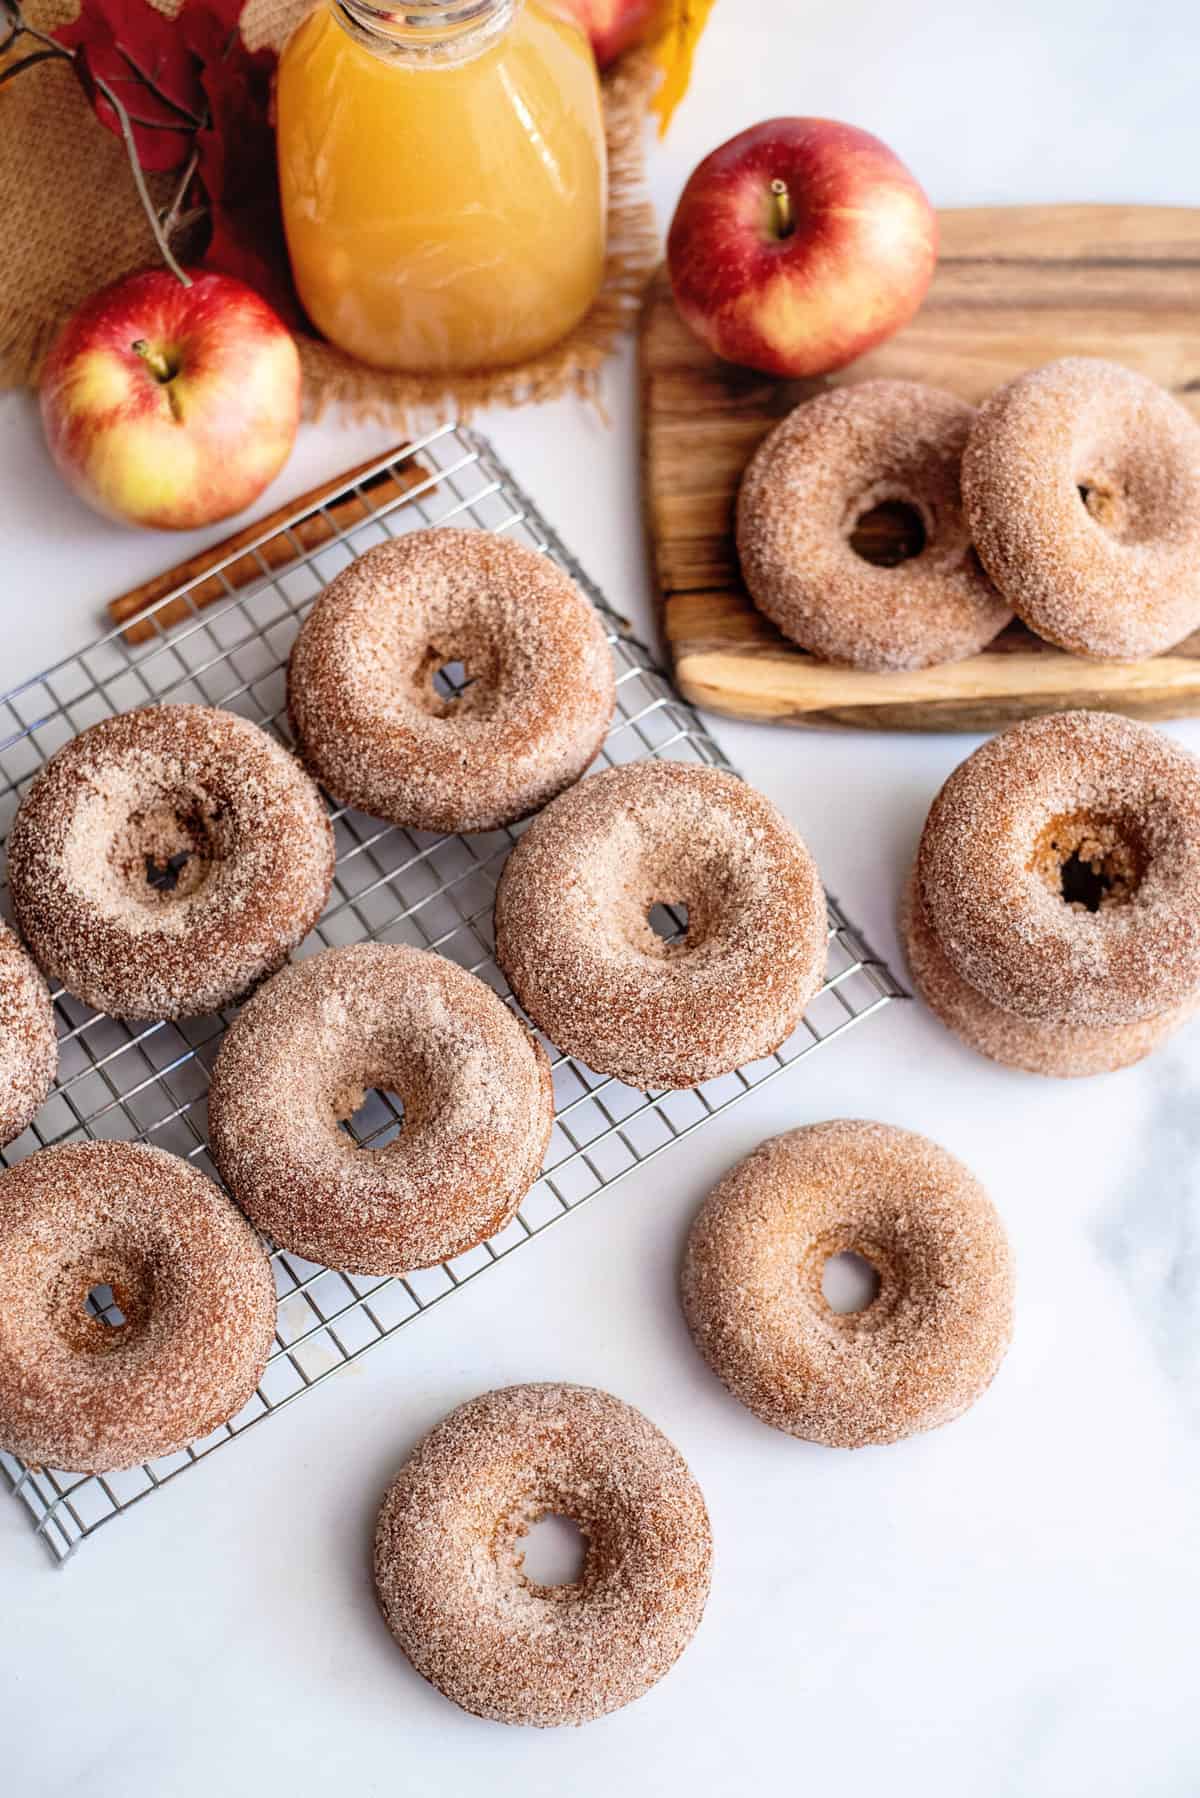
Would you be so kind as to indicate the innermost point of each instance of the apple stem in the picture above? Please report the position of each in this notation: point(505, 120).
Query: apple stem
point(163, 370)
point(785, 224)
point(154, 359)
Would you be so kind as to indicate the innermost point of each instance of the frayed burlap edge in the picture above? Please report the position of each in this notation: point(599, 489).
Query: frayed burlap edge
point(81, 227)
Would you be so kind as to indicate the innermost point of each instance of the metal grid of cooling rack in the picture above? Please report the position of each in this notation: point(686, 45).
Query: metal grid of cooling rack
point(149, 1083)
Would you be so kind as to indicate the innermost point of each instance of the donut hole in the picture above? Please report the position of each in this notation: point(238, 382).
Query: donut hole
point(1100, 503)
point(101, 1303)
point(1117, 507)
point(1092, 863)
point(1127, 498)
point(372, 1117)
point(555, 1553)
point(852, 1280)
point(166, 852)
point(453, 678)
point(104, 1303)
point(849, 1283)
point(668, 922)
point(888, 532)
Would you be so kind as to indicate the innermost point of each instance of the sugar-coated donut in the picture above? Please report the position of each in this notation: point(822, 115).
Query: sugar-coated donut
point(448, 1557)
point(920, 1353)
point(1067, 1050)
point(534, 713)
point(573, 937)
point(28, 1039)
point(167, 859)
point(828, 464)
point(187, 1272)
point(1044, 821)
point(475, 1086)
point(1081, 482)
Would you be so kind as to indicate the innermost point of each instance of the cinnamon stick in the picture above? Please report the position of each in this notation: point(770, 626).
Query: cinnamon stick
point(269, 544)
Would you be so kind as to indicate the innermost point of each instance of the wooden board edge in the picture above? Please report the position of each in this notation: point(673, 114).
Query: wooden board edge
point(984, 692)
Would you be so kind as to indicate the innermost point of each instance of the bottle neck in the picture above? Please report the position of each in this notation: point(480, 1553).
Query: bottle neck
point(431, 33)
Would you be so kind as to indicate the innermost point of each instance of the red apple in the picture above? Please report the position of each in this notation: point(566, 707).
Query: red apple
point(171, 406)
point(799, 245)
point(614, 25)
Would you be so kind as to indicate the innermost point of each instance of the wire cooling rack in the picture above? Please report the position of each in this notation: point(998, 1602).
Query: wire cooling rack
point(149, 1083)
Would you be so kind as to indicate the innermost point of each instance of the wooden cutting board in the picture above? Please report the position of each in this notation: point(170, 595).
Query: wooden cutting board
point(1015, 287)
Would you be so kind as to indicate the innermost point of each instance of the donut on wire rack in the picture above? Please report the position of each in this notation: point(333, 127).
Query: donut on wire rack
point(28, 1039)
point(167, 859)
point(474, 1083)
point(531, 708)
point(574, 936)
point(184, 1343)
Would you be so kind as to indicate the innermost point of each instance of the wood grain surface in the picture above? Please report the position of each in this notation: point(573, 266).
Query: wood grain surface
point(1015, 287)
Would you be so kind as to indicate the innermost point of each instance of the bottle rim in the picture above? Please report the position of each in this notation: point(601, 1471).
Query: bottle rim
point(426, 30)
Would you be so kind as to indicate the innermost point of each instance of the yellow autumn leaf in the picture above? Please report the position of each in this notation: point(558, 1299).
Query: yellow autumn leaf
point(677, 32)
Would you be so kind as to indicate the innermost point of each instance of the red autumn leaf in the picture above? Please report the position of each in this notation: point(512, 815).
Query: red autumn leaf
point(237, 172)
point(190, 82)
point(144, 58)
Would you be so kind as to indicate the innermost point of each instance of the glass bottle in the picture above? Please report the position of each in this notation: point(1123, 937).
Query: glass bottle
point(443, 176)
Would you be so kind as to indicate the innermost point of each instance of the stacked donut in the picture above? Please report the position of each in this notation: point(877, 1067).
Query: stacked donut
point(890, 526)
point(1053, 916)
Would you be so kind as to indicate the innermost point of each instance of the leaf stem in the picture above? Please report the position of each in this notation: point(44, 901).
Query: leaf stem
point(27, 62)
point(170, 218)
point(139, 180)
point(19, 27)
point(22, 27)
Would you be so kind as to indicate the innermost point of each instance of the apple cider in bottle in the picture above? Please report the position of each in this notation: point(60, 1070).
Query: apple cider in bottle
point(442, 170)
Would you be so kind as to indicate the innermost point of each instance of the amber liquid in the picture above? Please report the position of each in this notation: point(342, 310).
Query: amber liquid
point(443, 218)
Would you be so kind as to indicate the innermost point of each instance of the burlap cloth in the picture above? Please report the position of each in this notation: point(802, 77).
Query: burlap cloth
point(70, 222)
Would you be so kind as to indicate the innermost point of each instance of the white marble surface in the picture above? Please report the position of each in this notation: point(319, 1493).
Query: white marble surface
point(1007, 1605)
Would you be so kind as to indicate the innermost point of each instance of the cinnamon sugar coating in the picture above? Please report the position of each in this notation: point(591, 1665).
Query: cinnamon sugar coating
point(1084, 795)
point(190, 1276)
point(167, 859)
point(831, 461)
point(1067, 1051)
point(298, 1059)
point(533, 716)
point(920, 1353)
point(448, 1555)
point(28, 1040)
point(573, 938)
point(1081, 482)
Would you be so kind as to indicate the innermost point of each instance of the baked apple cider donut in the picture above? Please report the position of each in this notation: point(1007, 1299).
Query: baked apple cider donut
point(853, 454)
point(1059, 869)
point(574, 938)
point(190, 1280)
point(1034, 1045)
point(920, 1352)
point(474, 1083)
point(448, 1556)
point(167, 859)
point(28, 1039)
point(538, 695)
point(1081, 482)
